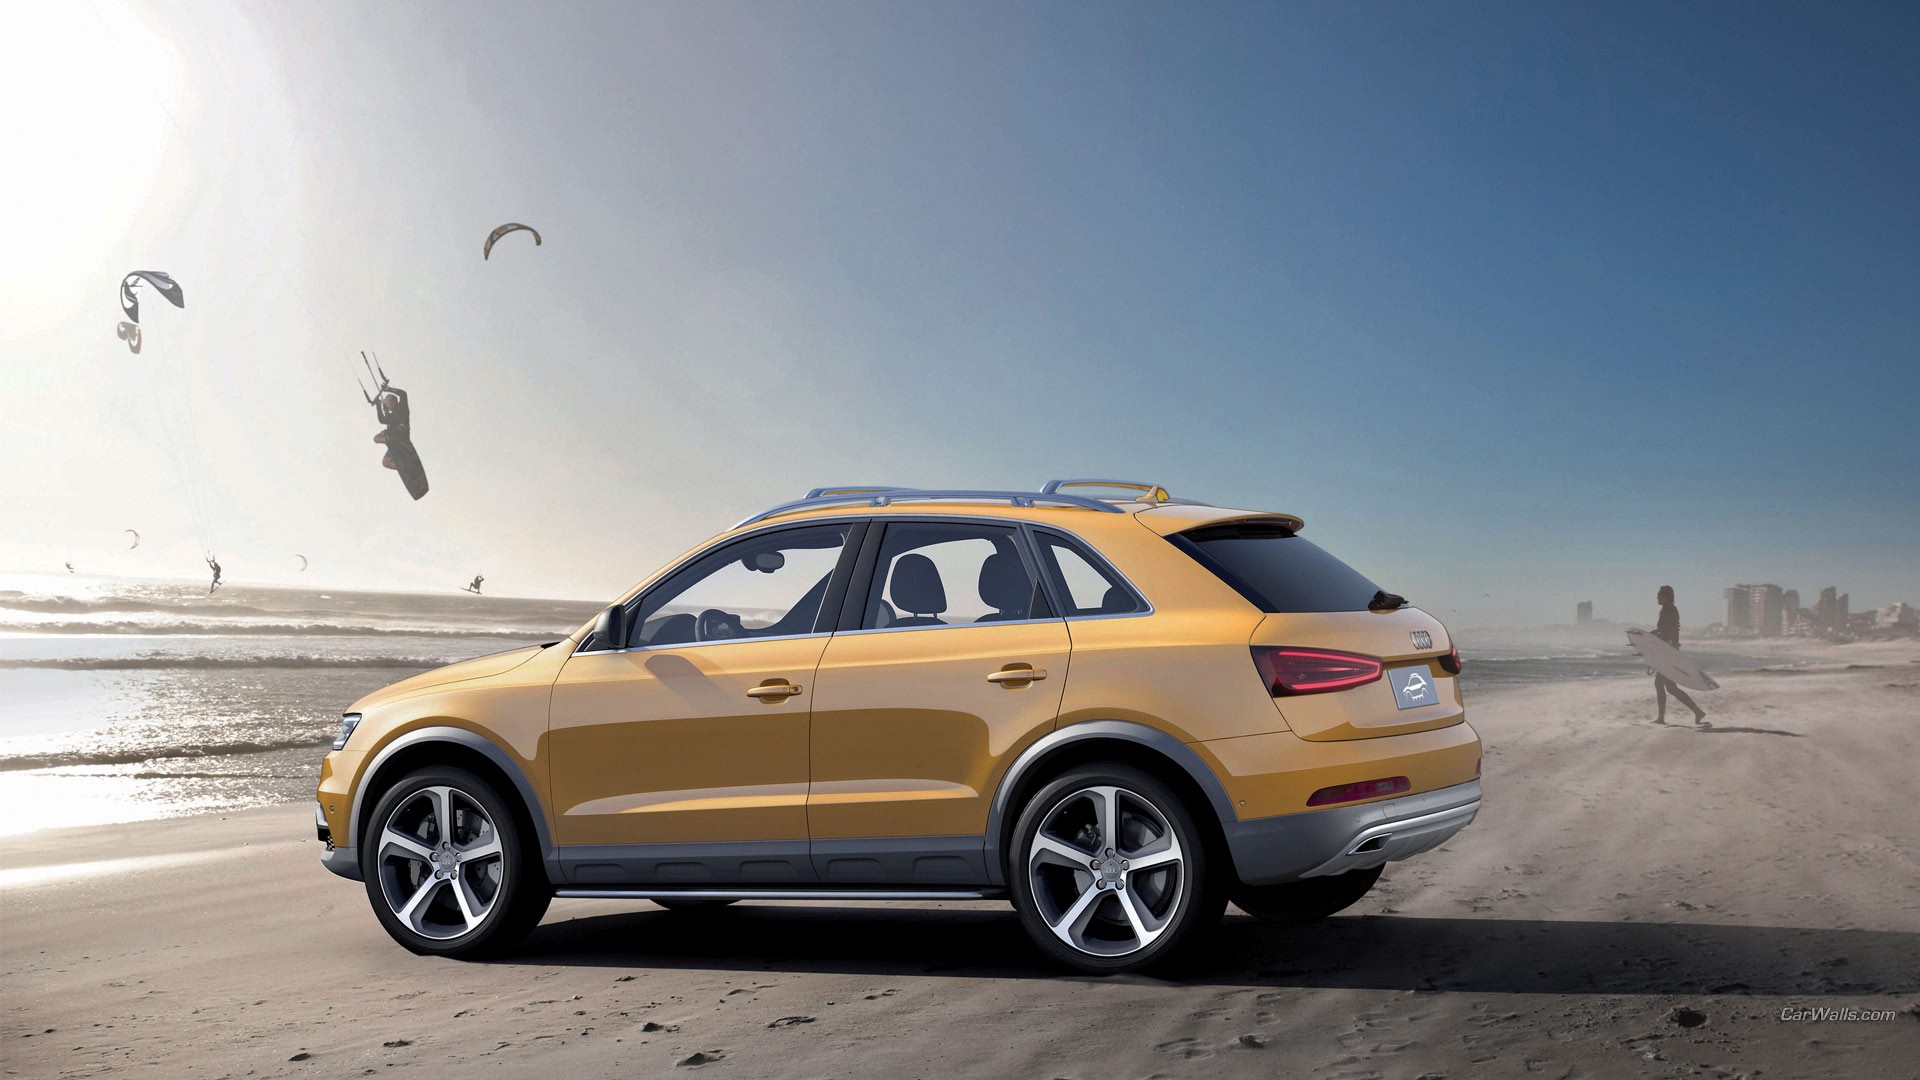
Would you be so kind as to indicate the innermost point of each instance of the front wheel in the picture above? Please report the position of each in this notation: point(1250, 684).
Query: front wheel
point(1305, 901)
point(448, 868)
point(1109, 870)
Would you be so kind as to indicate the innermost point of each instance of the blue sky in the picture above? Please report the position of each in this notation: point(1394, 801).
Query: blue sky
point(1544, 302)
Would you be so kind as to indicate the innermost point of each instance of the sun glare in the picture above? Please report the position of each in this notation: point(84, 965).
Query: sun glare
point(84, 134)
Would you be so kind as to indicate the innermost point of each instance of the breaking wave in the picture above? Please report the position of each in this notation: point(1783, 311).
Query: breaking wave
point(161, 663)
point(142, 755)
point(519, 633)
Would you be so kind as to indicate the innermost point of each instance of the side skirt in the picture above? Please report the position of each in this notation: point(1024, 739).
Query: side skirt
point(824, 892)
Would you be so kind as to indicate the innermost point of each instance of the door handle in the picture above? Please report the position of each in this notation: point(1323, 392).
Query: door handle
point(1009, 676)
point(773, 692)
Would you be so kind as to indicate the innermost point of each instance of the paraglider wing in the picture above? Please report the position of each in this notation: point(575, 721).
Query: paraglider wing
point(511, 226)
point(160, 280)
point(129, 333)
point(136, 538)
point(303, 563)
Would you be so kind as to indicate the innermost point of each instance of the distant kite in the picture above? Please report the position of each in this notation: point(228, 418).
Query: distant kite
point(136, 538)
point(130, 333)
point(503, 230)
point(303, 563)
point(160, 280)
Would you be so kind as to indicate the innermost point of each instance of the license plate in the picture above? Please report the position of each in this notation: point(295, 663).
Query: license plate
point(1413, 687)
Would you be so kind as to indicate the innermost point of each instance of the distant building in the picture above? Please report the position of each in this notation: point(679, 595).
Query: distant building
point(1583, 613)
point(1902, 615)
point(1763, 610)
point(1840, 616)
point(1790, 611)
point(1738, 621)
point(1826, 606)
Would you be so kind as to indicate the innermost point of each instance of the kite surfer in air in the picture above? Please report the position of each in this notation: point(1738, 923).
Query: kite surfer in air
point(390, 407)
point(215, 565)
point(475, 587)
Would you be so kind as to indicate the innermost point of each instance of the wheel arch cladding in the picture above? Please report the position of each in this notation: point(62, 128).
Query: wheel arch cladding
point(460, 749)
point(1148, 749)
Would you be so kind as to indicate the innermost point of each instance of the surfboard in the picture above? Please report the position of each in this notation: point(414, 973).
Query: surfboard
point(1666, 660)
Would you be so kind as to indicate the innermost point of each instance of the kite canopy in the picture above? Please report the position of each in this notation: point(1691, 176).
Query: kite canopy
point(136, 538)
point(160, 280)
point(303, 561)
point(511, 226)
point(129, 333)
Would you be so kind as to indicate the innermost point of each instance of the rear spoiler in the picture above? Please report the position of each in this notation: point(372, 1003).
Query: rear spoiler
point(1170, 520)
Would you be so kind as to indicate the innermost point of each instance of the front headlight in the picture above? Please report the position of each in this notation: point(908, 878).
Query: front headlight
point(347, 724)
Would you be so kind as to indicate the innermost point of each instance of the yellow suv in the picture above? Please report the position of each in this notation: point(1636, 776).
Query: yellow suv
point(1117, 713)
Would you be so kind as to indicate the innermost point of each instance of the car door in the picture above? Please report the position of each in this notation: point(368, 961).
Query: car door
point(948, 664)
point(693, 733)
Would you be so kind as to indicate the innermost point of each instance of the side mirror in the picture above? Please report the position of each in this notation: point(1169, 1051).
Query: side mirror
point(611, 627)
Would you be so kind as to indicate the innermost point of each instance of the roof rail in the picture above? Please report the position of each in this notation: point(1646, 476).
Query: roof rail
point(888, 496)
point(849, 489)
point(1154, 493)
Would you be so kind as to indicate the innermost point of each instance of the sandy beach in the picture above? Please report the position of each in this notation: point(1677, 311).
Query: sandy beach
point(1633, 901)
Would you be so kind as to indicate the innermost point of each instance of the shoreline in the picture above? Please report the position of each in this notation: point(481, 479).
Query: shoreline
point(1806, 656)
point(1620, 875)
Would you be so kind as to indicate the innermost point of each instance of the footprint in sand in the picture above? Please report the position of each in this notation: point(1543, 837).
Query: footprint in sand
point(1186, 1048)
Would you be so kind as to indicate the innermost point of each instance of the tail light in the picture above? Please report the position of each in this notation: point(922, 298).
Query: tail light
point(1366, 789)
point(1288, 670)
point(1451, 661)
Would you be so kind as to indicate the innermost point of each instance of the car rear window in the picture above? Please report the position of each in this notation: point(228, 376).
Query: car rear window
point(1276, 570)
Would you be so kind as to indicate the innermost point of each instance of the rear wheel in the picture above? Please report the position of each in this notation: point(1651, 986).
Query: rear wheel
point(1109, 870)
point(1305, 901)
point(448, 868)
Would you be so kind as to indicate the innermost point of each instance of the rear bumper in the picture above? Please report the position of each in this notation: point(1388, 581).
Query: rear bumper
point(1316, 843)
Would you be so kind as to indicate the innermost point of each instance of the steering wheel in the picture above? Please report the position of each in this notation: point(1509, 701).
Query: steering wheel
point(717, 625)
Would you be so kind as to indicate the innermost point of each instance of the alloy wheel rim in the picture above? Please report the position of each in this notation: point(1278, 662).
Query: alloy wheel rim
point(1107, 871)
point(440, 862)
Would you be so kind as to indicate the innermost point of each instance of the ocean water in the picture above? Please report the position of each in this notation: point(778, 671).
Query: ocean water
point(127, 701)
point(1502, 658)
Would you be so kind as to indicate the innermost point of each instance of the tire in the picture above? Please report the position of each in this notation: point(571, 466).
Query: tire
point(469, 889)
point(1078, 913)
point(693, 905)
point(1306, 901)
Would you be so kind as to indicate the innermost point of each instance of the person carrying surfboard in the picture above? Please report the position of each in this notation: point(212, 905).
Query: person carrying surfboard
point(1668, 630)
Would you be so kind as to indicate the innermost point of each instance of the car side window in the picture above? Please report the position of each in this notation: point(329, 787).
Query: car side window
point(1084, 582)
point(932, 573)
point(769, 585)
